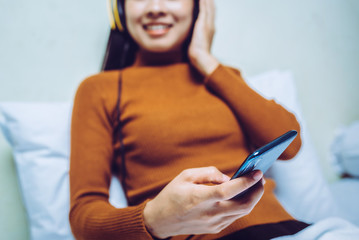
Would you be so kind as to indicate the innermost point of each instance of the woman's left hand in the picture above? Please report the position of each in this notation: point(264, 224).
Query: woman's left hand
point(199, 51)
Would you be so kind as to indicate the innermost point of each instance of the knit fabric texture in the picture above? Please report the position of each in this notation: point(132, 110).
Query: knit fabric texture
point(171, 119)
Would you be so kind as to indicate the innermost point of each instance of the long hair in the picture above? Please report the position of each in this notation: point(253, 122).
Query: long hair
point(121, 48)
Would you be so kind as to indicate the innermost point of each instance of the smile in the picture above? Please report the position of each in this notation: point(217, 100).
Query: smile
point(157, 29)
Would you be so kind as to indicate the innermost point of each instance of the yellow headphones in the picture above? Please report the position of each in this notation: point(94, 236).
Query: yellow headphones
point(115, 13)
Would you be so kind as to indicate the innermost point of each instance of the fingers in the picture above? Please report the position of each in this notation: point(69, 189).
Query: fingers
point(202, 10)
point(207, 11)
point(234, 209)
point(210, 12)
point(230, 189)
point(204, 175)
point(228, 211)
point(244, 205)
point(199, 51)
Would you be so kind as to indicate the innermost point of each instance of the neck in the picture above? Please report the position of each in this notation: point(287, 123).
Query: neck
point(145, 58)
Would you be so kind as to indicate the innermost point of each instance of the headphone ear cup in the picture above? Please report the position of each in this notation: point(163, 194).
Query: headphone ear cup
point(116, 14)
point(121, 13)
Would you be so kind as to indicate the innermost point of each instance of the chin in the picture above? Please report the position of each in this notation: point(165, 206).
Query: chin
point(162, 48)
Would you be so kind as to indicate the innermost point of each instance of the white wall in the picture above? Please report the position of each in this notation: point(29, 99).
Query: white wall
point(47, 47)
point(317, 40)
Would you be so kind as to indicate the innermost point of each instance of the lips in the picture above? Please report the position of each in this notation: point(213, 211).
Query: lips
point(157, 29)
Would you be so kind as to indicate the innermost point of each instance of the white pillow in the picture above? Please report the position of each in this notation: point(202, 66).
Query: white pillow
point(345, 150)
point(300, 184)
point(39, 136)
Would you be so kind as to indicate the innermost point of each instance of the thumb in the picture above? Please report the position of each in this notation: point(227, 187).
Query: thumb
point(205, 175)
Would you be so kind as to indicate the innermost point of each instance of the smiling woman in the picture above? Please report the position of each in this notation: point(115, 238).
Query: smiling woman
point(159, 26)
point(173, 125)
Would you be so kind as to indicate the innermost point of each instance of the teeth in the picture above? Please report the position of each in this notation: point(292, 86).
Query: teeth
point(156, 27)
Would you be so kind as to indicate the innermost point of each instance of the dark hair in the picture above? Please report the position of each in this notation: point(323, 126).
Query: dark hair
point(121, 48)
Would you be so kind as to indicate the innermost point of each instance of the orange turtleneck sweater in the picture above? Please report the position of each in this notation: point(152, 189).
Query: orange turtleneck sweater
point(172, 119)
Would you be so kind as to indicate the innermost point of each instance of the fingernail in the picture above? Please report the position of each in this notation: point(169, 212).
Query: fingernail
point(263, 181)
point(257, 175)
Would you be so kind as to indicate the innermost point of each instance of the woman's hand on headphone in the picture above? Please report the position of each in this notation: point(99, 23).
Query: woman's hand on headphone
point(199, 50)
point(188, 205)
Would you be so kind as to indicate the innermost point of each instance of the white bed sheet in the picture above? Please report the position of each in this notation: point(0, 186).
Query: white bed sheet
point(327, 229)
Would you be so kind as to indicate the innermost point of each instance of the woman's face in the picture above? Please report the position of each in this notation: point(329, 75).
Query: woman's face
point(159, 25)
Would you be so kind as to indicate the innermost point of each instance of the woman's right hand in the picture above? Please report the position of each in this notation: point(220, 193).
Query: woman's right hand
point(188, 205)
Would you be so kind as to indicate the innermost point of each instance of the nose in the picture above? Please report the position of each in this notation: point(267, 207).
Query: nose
point(156, 8)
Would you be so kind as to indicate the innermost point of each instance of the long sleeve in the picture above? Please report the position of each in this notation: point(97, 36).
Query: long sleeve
point(91, 215)
point(264, 120)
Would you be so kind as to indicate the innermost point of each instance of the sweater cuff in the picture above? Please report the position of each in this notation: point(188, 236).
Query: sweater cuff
point(133, 223)
point(138, 218)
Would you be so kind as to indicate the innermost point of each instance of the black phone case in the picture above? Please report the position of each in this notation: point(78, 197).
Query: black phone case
point(264, 157)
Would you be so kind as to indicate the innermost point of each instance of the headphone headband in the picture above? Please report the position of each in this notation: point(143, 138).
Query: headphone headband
point(114, 8)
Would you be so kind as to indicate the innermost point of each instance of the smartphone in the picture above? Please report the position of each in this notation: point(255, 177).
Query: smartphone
point(264, 157)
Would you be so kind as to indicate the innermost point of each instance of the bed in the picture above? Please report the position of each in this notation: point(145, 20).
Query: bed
point(38, 134)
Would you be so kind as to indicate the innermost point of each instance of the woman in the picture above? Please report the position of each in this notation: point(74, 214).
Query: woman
point(174, 125)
